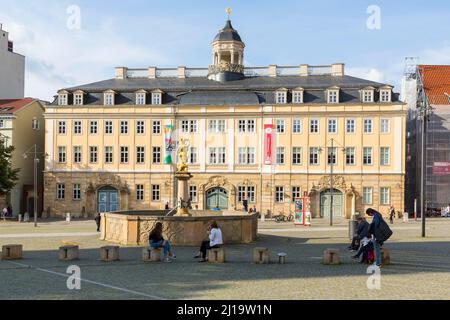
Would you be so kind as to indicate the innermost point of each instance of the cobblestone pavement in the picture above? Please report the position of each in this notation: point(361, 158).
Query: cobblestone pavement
point(420, 268)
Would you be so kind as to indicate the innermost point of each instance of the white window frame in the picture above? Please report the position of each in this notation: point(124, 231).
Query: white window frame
point(140, 192)
point(156, 193)
point(62, 154)
point(124, 127)
point(156, 127)
point(297, 156)
point(60, 191)
point(93, 124)
point(93, 154)
point(367, 96)
point(281, 97)
point(317, 124)
point(333, 96)
point(141, 98)
point(140, 155)
point(77, 127)
point(156, 98)
point(383, 196)
point(353, 125)
point(76, 192)
point(366, 121)
point(367, 193)
point(279, 194)
point(297, 124)
point(108, 98)
point(109, 154)
point(280, 126)
point(330, 122)
point(385, 129)
point(78, 99)
point(63, 99)
point(109, 125)
point(367, 155)
point(297, 96)
point(61, 125)
point(314, 155)
point(385, 158)
point(383, 93)
point(350, 156)
point(156, 155)
point(193, 194)
point(77, 154)
point(280, 155)
point(140, 127)
point(124, 154)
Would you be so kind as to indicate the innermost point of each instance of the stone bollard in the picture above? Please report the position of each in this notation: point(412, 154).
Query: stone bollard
point(151, 255)
point(69, 253)
point(385, 257)
point(331, 256)
point(109, 253)
point(12, 252)
point(282, 258)
point(26, 217)
point(68, 217)
point(216, 255)
point(261, 256)
point(20, 217)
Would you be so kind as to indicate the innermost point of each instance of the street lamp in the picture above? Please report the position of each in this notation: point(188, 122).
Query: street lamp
point(33, 151)
point(332, 163)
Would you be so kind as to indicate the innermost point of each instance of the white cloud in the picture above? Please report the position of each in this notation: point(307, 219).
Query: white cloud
point(371, 74)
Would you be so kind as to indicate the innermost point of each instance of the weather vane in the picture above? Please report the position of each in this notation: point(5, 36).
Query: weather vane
point(228, 11)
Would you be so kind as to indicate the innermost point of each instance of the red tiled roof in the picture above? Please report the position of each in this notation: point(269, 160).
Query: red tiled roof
point(436, 82)
point(11, 106)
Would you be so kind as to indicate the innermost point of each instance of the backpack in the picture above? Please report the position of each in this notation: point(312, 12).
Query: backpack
point(383, 232)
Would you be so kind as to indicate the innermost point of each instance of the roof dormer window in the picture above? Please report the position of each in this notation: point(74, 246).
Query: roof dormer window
point(297, 95)
point(367, 95)
point(78, 98)
point(333, 95)
point(157, 97)
point(386, 95)
point(281, 96)
point(63, 99)
point(109, 98)
point(141, 97)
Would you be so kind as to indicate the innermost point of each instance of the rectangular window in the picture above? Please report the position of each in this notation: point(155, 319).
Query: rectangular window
point(108, 127)
point(60, 191)
point(193, 155)
point(350, 156)
point(77, 154)
point(384, 126)
point(140, 127)
point(251, 194)
point(332, 96)
point(297, 97)
point(217, 155)
point(108, 154)
point(109, 99)
point(367, 156)
point(140, 98)
point(62, 154)
point(123, 127)
point(367, 195)
point(35, 124)
point(193, 194)
point(297, 126)
point(296, 155)
point(279, 194)
point(385, 197)
point(93, 127)
point(185, 126)
point(139, 192)
point(350, 126)
point(212, 156)
point(189, 126)
point(313, 156)
point(280, 126)
point(221, 155)
point(62, 100)
point(77, 127)
point(251, 125)
point(246, 155)
point(140, 155)
point(367, 125)
point(296, 193)
point(76, 191)
point(332, 156)
point(156, 98)
point(367, 96)
point(281, 97)
point(78, 99)
point(314, 126)
point(242, 126)
point(156, 192)
point(242, 193)
point(385, 156)
point(61, 127)
point(385, 96)
point(221, 126)
point(332, 125)
point(157, 127)
point(123, 155)
point(280, 155)
point(93, 154)
point(156, 159)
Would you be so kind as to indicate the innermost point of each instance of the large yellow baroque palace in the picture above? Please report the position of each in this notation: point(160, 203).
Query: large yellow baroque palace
point(265, 134)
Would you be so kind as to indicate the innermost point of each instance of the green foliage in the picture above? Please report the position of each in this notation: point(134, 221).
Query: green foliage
point(8, 175)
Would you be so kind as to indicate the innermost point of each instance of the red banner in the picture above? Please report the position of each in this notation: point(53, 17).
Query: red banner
point(268, 143)
point(441, 168)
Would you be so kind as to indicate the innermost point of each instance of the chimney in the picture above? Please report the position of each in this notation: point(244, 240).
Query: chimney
point(337, 69)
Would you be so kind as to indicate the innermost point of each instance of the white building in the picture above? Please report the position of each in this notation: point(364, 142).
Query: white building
point(12, 69)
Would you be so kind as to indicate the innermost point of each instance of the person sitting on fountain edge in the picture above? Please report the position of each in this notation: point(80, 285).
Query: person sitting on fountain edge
point(214, 242)
point(156, 241)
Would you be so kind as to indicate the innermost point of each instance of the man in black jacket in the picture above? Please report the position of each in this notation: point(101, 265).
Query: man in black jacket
point(361, 232)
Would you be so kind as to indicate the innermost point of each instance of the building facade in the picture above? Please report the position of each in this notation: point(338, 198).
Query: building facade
point(12, 69)
point(21, 125)
point(265, 134)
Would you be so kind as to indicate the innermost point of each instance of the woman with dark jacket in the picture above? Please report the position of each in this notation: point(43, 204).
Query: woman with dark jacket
point(379, 235)
point(156, 241)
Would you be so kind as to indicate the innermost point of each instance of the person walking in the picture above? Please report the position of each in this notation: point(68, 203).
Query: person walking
point(380, 232)
point(391, 214)
point(98, 219)
point(214, 242)
point(156, 240)
point(4, 213)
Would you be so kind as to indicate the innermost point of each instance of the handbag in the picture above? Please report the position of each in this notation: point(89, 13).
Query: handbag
point(383, 232)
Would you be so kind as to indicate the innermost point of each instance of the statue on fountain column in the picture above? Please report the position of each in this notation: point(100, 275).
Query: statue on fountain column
point(182, 152)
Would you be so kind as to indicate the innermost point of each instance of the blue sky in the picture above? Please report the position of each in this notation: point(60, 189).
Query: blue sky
point(169, 33)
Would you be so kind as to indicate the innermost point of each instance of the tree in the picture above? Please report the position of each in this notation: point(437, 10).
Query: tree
point(8, 175)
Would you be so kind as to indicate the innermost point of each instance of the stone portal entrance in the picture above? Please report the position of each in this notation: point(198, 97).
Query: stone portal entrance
point(325, 203)
point(108, 199)
point(217, 198)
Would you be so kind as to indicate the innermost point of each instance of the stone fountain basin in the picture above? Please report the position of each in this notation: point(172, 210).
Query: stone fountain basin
point(133, 227)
